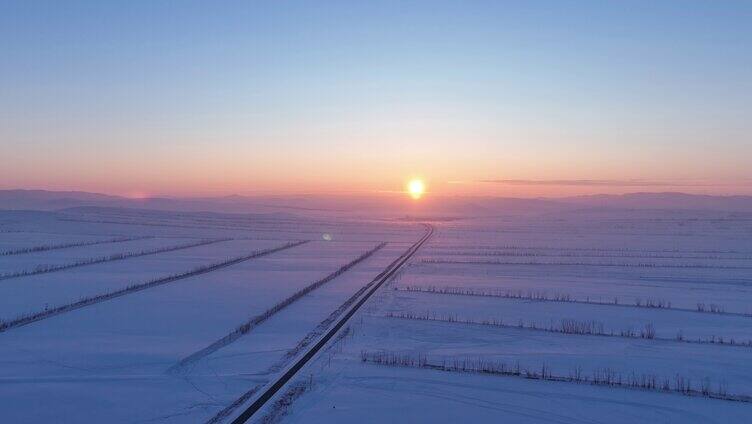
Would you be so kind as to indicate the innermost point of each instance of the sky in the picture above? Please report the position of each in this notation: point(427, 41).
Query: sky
point(497, 98)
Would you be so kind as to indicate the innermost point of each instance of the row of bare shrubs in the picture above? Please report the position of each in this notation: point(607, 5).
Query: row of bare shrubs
point(246, 327)
point(595, 254)
point(560, 263)
point(323, 325)
point(590, 249)
point(572, 326)
point(712, 308)
point(43, 269)
point(222, 415)
point(189, 218)
point(155, 224)
point(90, 300)
point(543, 296)
point(282, 404)
point(566, 325)
point(599, 377)
point(173, 224)
point(46, 247)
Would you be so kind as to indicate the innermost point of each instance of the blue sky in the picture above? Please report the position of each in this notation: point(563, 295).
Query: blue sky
point(244, 97)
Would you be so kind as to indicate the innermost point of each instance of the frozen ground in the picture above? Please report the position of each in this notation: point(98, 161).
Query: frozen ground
point(519, 295)
point(366, 393)
point(120, 359)
point(557, 300)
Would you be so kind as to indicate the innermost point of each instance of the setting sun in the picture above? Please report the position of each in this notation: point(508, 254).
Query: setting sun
point(416, 188)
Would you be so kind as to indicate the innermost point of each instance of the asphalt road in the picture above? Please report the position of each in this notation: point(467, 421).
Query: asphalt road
point(275, 386)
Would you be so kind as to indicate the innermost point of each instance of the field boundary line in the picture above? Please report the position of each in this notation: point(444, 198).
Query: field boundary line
point(275, 386)
point(257, 320)
point(88, 301)
point(111, 258)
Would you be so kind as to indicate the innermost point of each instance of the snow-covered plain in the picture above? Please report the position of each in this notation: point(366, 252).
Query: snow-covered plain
point(119, 360)
point(668, 294)
point(518, 292)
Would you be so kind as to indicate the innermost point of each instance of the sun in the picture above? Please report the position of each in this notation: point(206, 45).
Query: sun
point(416, 188)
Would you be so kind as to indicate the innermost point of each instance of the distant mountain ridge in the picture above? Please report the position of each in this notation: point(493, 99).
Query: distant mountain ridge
point(385, 204)
point(665, 200)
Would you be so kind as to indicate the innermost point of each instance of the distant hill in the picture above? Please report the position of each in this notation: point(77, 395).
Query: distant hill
point(51, 200)
point(669, 200)
point(384, 205)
